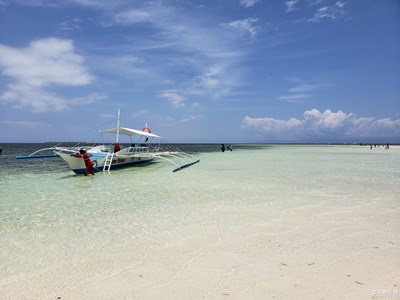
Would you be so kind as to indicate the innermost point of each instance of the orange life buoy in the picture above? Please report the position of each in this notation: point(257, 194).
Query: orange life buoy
point(146, 129)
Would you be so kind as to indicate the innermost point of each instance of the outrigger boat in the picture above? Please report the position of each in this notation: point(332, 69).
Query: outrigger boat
point(145, 147)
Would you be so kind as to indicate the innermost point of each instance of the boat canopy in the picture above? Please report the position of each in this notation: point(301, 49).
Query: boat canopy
point(131, 132)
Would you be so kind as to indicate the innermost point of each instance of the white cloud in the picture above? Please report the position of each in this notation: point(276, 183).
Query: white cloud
point(89, 99)
point(139, 113)
point(303, 88)
point(195, 105)
point(24, 123)
point(315, 2)
point(185, 119)
point(299, 92)
point(43, 64)
point(325, 124)
point(3, 4)
point(186, 34)
point(291, 5)
point(294, 98)
point(331, 12)
point(124, 65)
point(197, 44)
point(174, 98)
point(183, 34)
point(39, 100)
point(326, 9)
point(244, 26)
point(71, 25)
point(88, 3)
point(327, 120)
point(270, 124)
point(210, 79)
point(340, 4)
point(135, 16)
point(191, 118)
point(30, 97)
point(215, 82)
point(248, 3)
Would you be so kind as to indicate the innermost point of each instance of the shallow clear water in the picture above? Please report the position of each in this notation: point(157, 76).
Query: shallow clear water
point(48, 214)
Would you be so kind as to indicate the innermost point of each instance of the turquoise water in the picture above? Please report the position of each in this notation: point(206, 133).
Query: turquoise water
point(52, 216)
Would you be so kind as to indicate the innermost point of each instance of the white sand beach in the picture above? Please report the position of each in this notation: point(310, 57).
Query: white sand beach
point(308, 252)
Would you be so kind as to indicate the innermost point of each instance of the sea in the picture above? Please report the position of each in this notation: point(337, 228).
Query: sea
point(49, 215)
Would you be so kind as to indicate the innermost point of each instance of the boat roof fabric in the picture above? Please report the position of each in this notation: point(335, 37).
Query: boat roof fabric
point(130, 132)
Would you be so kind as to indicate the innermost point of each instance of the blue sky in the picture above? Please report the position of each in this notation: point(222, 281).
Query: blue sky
point(215, 71)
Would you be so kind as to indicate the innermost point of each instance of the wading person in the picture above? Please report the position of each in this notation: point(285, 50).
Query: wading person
point(88, 162)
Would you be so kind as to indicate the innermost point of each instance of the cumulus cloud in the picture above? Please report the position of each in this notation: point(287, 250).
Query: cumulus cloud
point(328, 124)
point(270, 124)
point(325, 120)
point(43, 64)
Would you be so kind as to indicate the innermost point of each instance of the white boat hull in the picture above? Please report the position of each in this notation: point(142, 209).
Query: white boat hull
point(119, 161)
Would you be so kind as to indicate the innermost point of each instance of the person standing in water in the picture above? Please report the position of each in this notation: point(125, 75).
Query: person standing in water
point(88, 162)
point(117, 147)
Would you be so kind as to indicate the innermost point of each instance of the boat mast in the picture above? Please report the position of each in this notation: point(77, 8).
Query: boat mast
point(118, 121)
